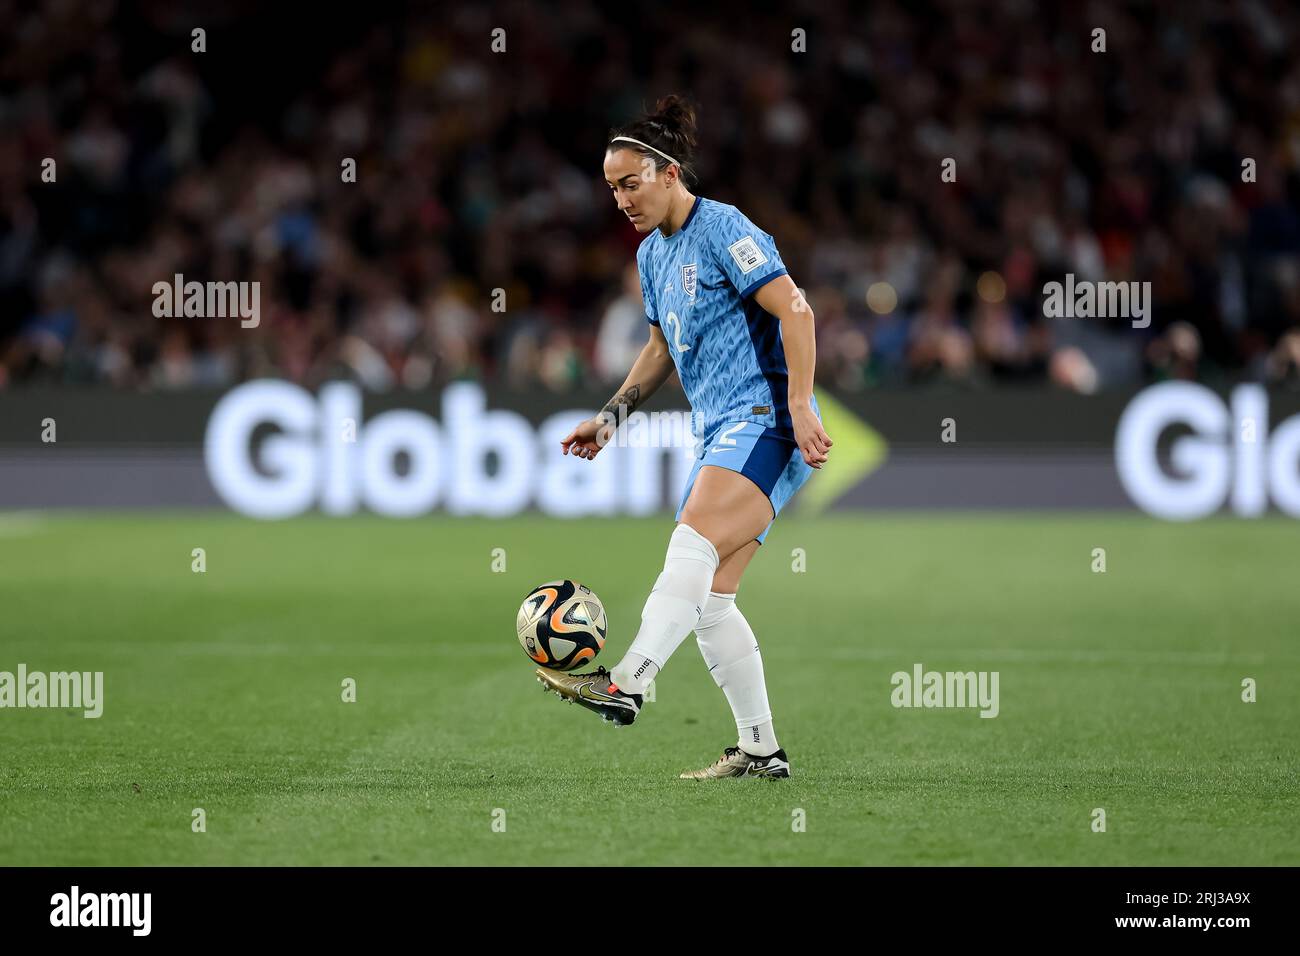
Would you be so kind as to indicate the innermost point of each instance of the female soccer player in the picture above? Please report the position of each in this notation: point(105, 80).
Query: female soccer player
point(725, 314)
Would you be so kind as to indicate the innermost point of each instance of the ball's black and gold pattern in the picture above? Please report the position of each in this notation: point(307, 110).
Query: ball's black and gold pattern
point(561, 625)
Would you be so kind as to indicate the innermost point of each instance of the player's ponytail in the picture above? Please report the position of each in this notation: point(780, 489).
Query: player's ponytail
point(665, 136)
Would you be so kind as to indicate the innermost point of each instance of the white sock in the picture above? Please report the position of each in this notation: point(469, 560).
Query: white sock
point(731, 652)
point(672, 609)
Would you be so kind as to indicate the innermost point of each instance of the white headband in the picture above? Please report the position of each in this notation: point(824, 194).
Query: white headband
point(629, 139)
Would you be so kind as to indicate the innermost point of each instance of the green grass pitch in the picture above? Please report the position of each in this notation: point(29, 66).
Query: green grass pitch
point(1119, 691)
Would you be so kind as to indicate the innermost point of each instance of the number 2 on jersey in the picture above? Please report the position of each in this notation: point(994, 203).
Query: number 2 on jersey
point(675, 324)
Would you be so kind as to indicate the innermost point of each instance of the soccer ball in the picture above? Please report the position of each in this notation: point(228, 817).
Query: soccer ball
point(561, 625)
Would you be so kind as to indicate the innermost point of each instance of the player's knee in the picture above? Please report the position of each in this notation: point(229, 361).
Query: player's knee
point(725, 581)
point(716, 609)
point(699, 522)
point(689, 543)
point(725, 540)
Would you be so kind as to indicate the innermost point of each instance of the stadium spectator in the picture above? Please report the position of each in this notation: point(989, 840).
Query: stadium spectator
point(478, 180)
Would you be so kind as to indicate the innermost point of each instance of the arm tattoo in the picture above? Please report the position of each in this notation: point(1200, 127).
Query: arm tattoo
point(623, 404)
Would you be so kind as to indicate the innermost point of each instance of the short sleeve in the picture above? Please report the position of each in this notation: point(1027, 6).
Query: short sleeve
point(646, 292)
point(746, 254)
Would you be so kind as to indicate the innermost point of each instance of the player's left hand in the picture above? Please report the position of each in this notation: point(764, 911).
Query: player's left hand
point(812, 439)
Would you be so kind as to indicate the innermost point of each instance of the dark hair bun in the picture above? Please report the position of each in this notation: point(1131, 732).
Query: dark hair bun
point(677, 116)
point(670, 128)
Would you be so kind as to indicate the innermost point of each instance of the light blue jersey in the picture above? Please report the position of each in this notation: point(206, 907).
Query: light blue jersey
point(698, 286)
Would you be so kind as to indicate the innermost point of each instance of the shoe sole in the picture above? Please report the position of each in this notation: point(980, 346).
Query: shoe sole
point(742, 776)
point(782, 774)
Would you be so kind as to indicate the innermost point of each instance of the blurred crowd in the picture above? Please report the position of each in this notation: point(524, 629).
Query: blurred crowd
point(479, 239)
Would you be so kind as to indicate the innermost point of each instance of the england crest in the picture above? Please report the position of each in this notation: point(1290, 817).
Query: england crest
point(688, 279)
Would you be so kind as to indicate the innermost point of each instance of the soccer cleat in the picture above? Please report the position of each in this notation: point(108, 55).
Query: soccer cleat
point(734, 762)
point(594, 690)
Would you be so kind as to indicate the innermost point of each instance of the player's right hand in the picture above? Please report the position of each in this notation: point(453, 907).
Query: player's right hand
point(588, 439)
